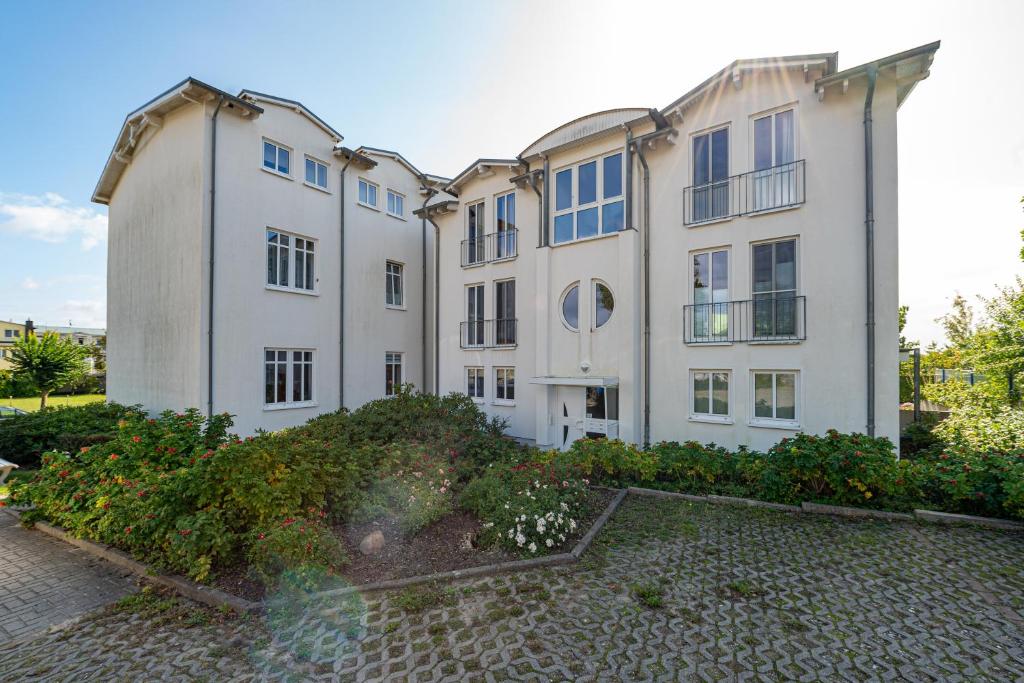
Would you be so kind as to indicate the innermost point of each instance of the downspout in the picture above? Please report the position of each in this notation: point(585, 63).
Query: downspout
point(869, 229)
point(423, 259)
point(341, 289)
point(213, 243)
point(646, 239)
point(531, 178)
point(437, 307)
point(545, 239)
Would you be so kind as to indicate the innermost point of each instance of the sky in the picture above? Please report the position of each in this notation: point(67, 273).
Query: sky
point(447, 82)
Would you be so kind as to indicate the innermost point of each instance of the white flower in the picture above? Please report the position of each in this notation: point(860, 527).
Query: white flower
point(565, 508)
point(533, 547)
point(520, 539)
point(550, 516)
point(561, 537)
point(511, 533)
point(572, 524)
point(549, 543)
point(522, 518)
point(488, 525)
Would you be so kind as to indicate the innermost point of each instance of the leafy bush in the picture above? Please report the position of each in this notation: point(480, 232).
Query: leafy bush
point(702, 469)
point(413, 486)
point(981, 427)
point(304, 545)
point(610, 460)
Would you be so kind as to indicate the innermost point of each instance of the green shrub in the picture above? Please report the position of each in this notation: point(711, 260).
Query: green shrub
point(24, 438)
point(610, 461)
point(701, 469)
point(412, 485)
point(302, 545)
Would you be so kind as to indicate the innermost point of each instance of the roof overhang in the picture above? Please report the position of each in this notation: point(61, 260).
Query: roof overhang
point(909, 68)
point(354, 157)
point(584, 129)
point(297, 107)
point(481, 168)
point(577, 381)
point(150, 115)
point(437, 209)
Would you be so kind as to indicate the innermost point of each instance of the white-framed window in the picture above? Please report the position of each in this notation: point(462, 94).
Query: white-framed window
point(287, 377)
point(504, 385)
point(774, 182)
point(710, 296)
point(291, 261)
point(277, 158)
point(392, 372)
point(12, 333)
point(475, 244)
point(710, 394)
point(475, 383)
point(570, 307)
point(505, 225)
point(368, 193)
point(776, 395)
point(316, 173)
point(604, 304)
point(710, 175)
point(589, 199)
point(396, 204)
point(505, 312)
point(474, 315)
point(774, 285)
point(394, 296)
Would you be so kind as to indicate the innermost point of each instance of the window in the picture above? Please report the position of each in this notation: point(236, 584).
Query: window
point(276, 158)
point(474, 234)
point(316, 173)
point(709, 394)
point(12, 333)
point(396, 204)
point(475, 383)
point(774, 179)
point(711, 175)
point(571, 307)
point(711, 296)
point(393, 296)
point(505, 219)
point(604, 303)
point(367, 193)
point(596, 208)
point(774, 278)
point(505, 312)
point(291, 261)
point(775, 397)
point(392, 373)
point(505, 385)
point(288, 377)
point(475, 315)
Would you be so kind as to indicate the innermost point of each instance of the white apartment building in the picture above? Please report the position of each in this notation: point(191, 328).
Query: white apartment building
point(722, 269)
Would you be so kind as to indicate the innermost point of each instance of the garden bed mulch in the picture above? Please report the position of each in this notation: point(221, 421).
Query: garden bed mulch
point(448, 544)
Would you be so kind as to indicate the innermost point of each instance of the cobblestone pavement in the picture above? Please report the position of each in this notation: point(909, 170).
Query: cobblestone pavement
point(45, 582)
point(745, 594)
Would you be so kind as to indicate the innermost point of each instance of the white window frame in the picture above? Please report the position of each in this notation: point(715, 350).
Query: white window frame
point(277, 158)
point(292, 270)
point(290, 363)
point(692, 294)
point(797, 258)
point(388, 289)
point(771, 173)
point(393, 359)
point(594, 327)
point(774, 422)
point(710, 416)
point(376, 193)
point(505, 246)
point(476, 372)
point(561, 306)
point(479, 243)
point(600, 200)
point(318, 164)
point(506, 372)
point(398, 198)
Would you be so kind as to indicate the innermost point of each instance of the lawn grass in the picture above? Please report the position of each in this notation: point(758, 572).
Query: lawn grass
point(32, 404)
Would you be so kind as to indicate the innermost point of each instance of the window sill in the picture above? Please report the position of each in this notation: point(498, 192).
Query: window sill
point(592, 238)
point(396, 216)
point(712, 221)
point(392, 307)
point(478, 401)
point(275, 172)
point(703, 343)
point(292, 290)
point(367, 206)
point(711, 419)
point(314, 186)
point(505, 403)
point(791, 425)
point(775, 342)
point(289, 406)
point(474, 264)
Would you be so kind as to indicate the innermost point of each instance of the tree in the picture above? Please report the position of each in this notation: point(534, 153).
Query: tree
point(47, 362)
point(958, 323)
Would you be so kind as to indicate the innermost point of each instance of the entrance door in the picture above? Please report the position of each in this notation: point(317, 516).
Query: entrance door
point(591, 412)
point(570, 415)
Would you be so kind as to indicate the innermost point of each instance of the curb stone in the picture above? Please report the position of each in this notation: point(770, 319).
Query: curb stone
point(750, 502)
point(657, 493)
point(953, 518)
point(859, 513)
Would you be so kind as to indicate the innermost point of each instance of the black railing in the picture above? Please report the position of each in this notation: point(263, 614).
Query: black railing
point(765, 318)
point(770, 188)
point(496, 246)
point(488, 334)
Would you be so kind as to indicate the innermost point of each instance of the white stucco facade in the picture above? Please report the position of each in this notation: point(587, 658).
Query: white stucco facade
point(721, 293)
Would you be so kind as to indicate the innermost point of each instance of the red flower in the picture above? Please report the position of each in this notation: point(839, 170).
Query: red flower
point(113, 456)
point(262, 536)
point(63, 474)
point(106, 505)
point(127, 529)
point(136, 439)
point(184, 532)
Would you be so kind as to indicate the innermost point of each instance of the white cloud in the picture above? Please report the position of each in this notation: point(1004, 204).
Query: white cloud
point(84, 312)
point(50, 218)
point(29, 283)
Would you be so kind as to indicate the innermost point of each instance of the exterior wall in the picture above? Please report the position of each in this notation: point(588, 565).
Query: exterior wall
point(155, 274)
point(16, 331)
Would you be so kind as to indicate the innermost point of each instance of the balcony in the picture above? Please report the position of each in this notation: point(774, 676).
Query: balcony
point(772, 188)
point(497, 246)
point(488, 334)
point(765, 318)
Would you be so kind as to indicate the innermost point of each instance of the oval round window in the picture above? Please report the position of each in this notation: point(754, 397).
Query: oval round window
point(571, 308)
point(604, 303)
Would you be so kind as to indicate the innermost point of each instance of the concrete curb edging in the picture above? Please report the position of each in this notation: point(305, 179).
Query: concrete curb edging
point(862, 513)
point(194, 591)
point(750, 502)
point(954, 518)
point(487, 569)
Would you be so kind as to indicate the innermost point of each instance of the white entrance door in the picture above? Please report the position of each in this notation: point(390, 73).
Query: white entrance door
point(586, 411)
point(570, 415)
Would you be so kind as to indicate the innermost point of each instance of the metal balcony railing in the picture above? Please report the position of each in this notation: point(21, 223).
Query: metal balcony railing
point(765, 318)
point(770, 188)
point(488, 334)
point(496, 246)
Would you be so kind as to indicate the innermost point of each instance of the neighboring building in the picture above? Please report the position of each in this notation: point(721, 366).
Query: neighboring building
point(88, 337)
point(697, 271)
point(10, 332)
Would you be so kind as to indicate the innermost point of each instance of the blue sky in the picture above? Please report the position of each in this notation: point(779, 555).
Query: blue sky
point(446, 82)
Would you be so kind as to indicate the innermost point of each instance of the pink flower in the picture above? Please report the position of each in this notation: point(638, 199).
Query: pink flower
point(136, 439)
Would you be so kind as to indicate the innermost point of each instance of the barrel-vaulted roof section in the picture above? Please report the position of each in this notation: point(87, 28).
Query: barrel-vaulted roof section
point(584, 127)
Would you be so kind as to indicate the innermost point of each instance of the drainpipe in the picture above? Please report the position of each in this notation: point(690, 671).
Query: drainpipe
point(423, 259)
point(646, 239)
point(341, 288)
point(531, 178)
point(545, 238)
point(629, 178)
point(437, 307)
point(869, 229)
point(213, 243)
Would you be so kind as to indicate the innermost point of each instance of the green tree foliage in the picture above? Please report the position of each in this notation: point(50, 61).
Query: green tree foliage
point(47, 362)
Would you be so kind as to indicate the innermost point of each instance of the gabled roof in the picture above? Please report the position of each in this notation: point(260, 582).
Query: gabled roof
point(911, 67)
point(425, 177)
point(188, 91)
point(479, 167)
point(583, 128)
point(294, 105)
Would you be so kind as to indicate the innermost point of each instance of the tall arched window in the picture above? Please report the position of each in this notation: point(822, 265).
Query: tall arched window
point(604, 303)
point(571, 307)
